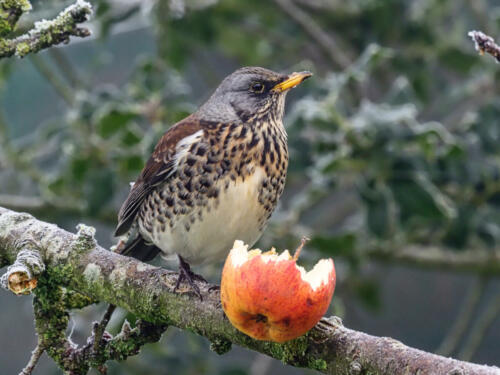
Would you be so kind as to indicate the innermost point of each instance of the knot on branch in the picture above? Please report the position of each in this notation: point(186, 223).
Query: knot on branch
point(457, 371)
point(220, 345)
point(85, 238)
point(355, 368)
point(22, 276)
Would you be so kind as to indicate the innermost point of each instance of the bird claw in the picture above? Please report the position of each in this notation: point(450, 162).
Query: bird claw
point(185, 273)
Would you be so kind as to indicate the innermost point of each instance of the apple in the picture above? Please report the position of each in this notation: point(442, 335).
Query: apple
point(269, 297)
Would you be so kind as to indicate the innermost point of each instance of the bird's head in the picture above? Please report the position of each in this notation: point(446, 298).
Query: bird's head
point(251, 93)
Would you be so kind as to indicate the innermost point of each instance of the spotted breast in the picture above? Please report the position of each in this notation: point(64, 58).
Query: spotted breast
point(218, 191)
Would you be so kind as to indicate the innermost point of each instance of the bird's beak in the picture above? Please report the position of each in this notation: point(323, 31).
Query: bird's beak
point(292, 80)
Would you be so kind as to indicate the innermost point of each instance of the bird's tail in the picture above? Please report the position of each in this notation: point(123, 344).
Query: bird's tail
point(138, 248)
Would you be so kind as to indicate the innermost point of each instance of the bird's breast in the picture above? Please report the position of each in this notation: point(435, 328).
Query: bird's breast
point(223, 189)
point(204, 232)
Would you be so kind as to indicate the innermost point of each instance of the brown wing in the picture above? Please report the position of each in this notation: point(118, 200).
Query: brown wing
point(156, 171)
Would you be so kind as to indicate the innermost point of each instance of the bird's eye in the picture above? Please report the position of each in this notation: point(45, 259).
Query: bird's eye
point(257, 87)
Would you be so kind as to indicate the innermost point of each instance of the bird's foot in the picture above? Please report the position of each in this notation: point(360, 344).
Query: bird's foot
point(185, 273)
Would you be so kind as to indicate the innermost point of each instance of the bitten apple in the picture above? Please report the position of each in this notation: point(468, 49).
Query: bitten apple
point(269, 297)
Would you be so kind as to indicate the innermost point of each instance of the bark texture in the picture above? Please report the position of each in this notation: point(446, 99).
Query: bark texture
point(78, 263)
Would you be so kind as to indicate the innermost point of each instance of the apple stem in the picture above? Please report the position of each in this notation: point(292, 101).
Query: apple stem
point(299, 249)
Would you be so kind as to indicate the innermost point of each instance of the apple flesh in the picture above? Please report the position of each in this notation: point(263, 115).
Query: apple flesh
point(269, 297)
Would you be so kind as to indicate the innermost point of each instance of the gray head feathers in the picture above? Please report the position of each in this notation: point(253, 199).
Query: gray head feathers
point(245, 92)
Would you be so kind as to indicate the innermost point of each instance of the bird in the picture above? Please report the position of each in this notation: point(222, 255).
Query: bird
point(213, 177)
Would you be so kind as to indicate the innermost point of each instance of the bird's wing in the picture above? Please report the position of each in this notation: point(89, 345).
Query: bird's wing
point(160, 166)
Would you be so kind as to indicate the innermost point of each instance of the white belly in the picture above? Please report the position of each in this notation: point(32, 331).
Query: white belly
point(233, 215)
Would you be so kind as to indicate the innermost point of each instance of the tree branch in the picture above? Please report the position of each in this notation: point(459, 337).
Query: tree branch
point(485, 44)
point(35, 357)
point(465, 315)
point(10, 11)
point(45, 33)
point(324, 40)
point(479, 261)
point(36, 205)
point(78, 263)
point(480, 328)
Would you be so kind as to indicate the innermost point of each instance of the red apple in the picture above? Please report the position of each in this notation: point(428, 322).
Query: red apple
point(269, 297)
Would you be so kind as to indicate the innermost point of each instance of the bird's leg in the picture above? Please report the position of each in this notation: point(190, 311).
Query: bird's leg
point(186, 273)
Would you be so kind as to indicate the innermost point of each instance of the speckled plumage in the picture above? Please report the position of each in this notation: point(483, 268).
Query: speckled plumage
point(214, 177)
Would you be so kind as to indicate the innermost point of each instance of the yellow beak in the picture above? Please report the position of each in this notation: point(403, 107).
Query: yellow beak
point(293, 80)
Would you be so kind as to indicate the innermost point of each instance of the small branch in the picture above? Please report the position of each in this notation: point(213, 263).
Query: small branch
point(457, 331)
point(480, 261)
point(39, 206)
point(58, 84)
point(10, 11)
point(101, 327)
point(76, 262)
point(21, 203)
point(21, 277)
point(65, 66)
point(479, 330)
point(485, 44)
point(35, 357)
point(49, 33)
point(309, 25)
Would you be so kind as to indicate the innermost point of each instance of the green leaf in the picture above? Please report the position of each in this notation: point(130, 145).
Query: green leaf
point(457, 59)
point(416, 196)
point(114, 120)
point(343, 244)
point(378, 209)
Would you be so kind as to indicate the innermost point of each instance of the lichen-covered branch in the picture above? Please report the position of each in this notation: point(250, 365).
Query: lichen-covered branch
point(51, 321)
point(35, 357)
point(44, 33)
point(77, 263)
point(485, 44)
point(10, 11)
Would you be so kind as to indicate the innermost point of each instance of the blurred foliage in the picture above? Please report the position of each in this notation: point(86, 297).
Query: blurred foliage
point(401, 147)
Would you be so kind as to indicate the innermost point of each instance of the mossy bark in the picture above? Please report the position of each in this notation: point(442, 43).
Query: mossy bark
point(77, 263)
point(45, 33)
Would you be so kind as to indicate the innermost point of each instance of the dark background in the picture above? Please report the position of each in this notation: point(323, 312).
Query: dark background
point(395, 142)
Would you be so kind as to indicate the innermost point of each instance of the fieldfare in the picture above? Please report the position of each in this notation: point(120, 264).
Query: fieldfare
point(214, 177)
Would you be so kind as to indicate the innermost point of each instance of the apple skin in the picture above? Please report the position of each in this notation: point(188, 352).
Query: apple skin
point(267, 298)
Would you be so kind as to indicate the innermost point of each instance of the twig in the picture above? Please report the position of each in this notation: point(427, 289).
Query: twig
point(66, 67)
point(479, 261)
point(59, 85)
point(35, 357)
point(101, 327)
point(479, 329)
point(485, 44)
point(325, 41)
point(48, 33)
point(457, 331)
